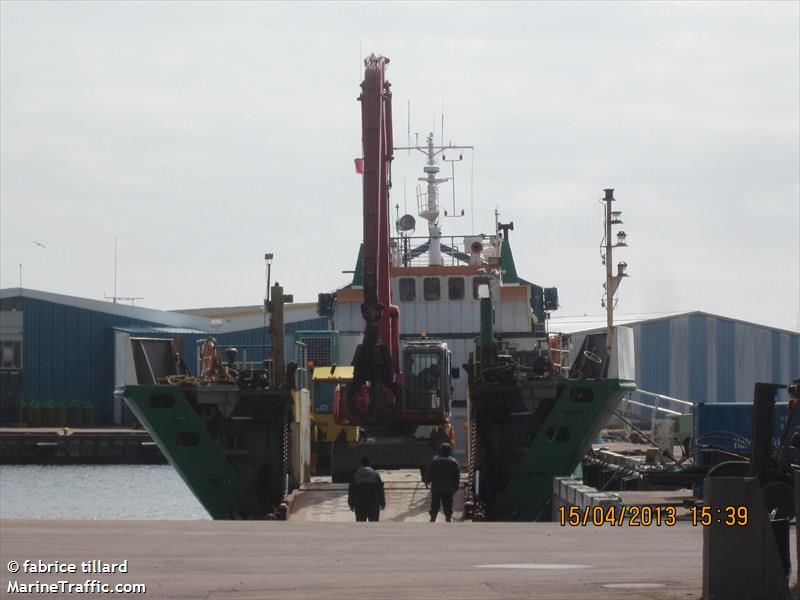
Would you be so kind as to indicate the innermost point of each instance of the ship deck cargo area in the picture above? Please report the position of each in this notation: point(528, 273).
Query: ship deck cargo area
point(290, 560)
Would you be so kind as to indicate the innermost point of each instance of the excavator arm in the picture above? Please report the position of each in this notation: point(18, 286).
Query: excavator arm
point(375, 390)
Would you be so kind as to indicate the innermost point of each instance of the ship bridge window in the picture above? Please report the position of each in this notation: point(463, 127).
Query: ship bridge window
point(476, 283)
point(455, 288)
point(432, 288)
point(408, 289)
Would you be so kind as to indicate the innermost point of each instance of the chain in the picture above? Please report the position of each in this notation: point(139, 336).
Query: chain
point(473, 441)
point(478, 510)
point(285, 461)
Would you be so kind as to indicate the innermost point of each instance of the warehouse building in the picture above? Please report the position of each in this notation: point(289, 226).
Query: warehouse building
point(57, 349)
point(704, 358)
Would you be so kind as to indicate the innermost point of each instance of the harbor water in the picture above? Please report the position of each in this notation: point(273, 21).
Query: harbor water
point(98, 492)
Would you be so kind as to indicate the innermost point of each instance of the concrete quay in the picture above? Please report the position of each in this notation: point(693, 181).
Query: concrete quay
point(221, 560)
point(73, 445)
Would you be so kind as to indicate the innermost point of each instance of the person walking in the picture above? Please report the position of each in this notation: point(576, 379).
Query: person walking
point(444, 477)
point(365, 494)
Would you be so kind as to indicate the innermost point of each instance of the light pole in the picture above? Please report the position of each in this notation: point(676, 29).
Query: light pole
point(612, 217)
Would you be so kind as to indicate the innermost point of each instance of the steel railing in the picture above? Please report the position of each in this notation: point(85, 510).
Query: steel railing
point(412, 250)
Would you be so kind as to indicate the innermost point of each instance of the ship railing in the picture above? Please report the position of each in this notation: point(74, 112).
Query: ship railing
point(649, 406)
point(560, 347)
point(250, 356)
point(412, 251)
point(676, 405)
point(423, 206)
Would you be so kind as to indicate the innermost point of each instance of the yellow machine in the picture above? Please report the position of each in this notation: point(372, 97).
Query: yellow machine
point(324, 429)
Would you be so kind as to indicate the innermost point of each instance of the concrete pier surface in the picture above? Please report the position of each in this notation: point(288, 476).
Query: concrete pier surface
point(220, 560)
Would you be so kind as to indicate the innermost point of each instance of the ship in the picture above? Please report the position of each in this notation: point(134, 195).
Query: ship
point(510, 396)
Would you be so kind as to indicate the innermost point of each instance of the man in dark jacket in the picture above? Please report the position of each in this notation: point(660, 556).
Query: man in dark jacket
point(365, 494)
point(444, 477)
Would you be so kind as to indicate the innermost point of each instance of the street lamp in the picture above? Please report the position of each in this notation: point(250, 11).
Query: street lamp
point(612, 217)
point(268, 259)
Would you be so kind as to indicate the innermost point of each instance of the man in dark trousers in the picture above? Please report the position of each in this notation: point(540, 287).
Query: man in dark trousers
point(365, 494)
point(444, 477)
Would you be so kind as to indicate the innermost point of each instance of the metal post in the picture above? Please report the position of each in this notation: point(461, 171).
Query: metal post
point(763, 418)
point(115, 270)
point(609, 198)
point(276, 329)
point(268, 259)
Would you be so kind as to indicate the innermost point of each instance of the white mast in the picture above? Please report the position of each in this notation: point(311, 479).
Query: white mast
point(428, 204)
point(428, 200)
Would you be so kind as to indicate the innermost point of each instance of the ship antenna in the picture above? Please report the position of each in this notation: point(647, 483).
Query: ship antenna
point(405, 195)
point(472, 190)
point(408, 121)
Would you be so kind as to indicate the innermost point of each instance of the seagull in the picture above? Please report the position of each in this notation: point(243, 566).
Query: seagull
point(40, 244)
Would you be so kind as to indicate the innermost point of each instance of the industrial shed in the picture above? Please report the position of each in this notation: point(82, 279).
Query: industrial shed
point(705, 358)
point(61, 349)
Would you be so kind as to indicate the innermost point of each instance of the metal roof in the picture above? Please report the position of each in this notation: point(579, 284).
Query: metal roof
point(121, 310)
point(196, 323)
point(144, 330)
point(221, 312)
point(592, 323)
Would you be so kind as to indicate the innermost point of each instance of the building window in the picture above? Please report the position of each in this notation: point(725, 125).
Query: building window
point(408, 289)
point(455, 288)
point(431, 288)
point(476, 283)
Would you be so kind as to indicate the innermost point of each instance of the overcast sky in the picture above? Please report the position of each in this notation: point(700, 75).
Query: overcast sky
point(204, 135)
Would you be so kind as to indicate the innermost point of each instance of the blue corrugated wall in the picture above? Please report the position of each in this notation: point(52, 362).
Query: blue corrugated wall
point(706, 358)
point(652, 370)
point(698, 351)
point(726, 361)
point(68, 352)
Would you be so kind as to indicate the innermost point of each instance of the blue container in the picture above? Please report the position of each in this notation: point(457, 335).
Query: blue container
point(715, 423)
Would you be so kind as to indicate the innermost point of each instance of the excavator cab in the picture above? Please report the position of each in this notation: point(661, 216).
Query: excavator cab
point(426, 367)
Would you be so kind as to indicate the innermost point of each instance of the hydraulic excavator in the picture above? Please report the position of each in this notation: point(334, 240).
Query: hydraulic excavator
point(403, 411)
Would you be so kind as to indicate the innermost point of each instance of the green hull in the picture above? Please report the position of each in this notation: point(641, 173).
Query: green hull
point(228, 445)
point(526, 434)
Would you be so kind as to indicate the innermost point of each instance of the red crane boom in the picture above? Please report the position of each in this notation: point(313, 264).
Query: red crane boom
point(376, 389)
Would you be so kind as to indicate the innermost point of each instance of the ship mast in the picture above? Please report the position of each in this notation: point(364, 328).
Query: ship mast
point(428, 200)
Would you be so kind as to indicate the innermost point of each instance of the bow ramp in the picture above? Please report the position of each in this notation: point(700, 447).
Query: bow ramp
point(407, 500)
